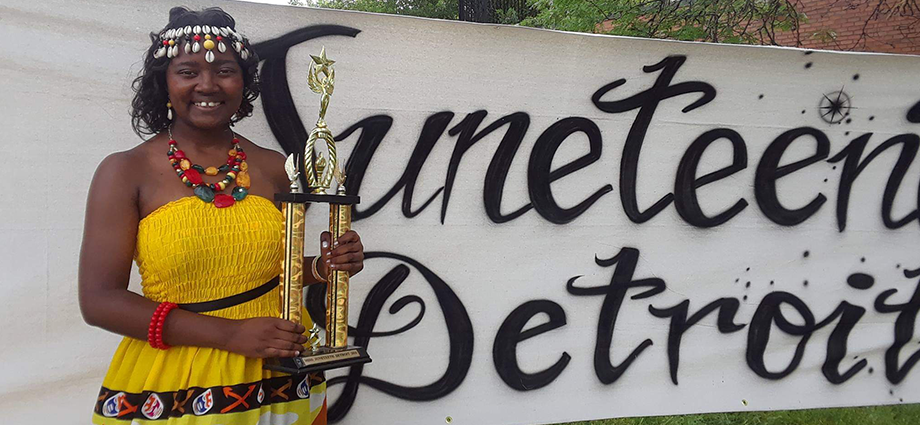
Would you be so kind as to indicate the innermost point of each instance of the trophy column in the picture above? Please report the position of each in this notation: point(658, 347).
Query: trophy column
point(292, 267)
point(337, 282)
point(336, 352)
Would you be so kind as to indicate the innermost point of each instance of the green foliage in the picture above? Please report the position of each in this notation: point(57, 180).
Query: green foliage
point(569, 15)
point(876, 415)
point(508, 16)
point(441, 9)
point(725, 21)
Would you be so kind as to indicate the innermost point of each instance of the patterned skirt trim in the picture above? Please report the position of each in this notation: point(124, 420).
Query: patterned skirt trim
point(230, 404)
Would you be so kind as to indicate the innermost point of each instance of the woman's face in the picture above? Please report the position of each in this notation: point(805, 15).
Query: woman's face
point(205, 95)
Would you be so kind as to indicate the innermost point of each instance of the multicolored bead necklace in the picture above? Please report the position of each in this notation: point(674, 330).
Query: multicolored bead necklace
point(190, 174)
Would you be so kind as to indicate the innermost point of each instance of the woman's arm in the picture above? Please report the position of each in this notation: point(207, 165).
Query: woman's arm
point(106, 254)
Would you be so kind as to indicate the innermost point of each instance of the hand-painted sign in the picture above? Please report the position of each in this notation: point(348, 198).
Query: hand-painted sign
point(560, 226)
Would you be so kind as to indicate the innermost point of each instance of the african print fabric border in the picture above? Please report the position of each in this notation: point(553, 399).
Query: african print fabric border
point(196, 402)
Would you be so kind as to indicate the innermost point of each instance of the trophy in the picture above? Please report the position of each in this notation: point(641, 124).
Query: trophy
point(320, 169)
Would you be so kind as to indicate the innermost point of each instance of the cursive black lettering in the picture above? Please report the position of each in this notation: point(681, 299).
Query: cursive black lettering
point(504, 350)
point(686, 184)
point(614, 294)
point(539, 175)
point(769, 171)
point(647, 101)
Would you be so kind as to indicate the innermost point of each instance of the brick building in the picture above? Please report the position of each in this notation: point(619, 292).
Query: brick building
point(858, 25)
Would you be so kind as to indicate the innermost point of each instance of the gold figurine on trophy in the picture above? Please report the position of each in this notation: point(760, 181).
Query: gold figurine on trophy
point(319, 170)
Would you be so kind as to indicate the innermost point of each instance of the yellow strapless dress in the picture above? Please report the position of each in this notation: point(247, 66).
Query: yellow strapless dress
point(189, 251)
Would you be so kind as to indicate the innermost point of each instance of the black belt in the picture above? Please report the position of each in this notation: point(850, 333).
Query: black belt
point(232, 300)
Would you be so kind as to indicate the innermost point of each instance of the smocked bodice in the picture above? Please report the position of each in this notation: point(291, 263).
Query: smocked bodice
point(189, 251)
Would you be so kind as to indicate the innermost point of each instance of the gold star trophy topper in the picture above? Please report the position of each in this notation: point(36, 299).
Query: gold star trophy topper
point(320, 169)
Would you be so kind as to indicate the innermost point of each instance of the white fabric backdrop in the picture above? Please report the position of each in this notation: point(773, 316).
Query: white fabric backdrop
point(66, 68)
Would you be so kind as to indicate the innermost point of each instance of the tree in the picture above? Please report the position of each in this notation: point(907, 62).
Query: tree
point(904, 13)
point(723, 21)
point(728, 21)
point(720, 21)
point(441, 9)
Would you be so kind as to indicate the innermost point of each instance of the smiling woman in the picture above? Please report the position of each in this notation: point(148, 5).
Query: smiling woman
point(195, 341)
point(149, 114)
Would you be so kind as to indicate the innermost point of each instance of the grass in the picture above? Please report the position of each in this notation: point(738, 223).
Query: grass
point(907, 414)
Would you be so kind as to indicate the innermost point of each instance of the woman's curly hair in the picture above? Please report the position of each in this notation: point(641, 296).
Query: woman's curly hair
point(148, 108)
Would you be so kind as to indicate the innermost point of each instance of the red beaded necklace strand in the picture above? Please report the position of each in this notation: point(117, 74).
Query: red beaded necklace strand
point(190, 174)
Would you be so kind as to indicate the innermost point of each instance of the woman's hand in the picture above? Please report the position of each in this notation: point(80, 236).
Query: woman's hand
point(266, 337)
point(347, 254)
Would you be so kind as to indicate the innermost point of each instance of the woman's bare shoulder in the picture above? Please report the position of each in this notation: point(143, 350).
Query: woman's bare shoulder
point(125, 167)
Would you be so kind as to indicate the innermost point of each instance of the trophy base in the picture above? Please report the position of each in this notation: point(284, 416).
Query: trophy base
point(304, 198)
point(324, 358)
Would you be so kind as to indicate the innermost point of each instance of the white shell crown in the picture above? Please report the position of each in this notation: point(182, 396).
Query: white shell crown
point(197, 37)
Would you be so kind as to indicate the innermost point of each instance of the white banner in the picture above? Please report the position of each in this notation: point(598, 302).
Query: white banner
point(559, 226)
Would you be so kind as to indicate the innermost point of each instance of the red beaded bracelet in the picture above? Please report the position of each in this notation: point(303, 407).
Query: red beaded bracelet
point(157, 321)
point(151, 330)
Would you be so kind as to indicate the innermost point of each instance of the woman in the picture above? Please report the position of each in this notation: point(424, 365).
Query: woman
point(198, 233)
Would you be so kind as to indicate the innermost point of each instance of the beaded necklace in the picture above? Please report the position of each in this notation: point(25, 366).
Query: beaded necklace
point(190, 174)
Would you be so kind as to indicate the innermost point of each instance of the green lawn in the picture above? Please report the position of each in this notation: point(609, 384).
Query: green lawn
point(907, 414)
